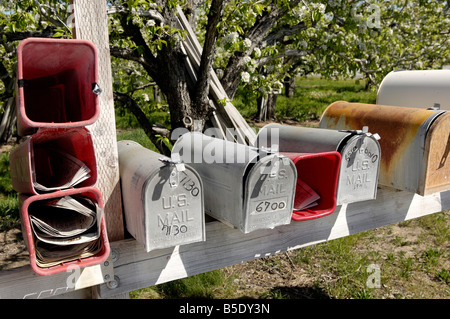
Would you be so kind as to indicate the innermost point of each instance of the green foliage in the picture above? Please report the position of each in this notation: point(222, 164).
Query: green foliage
point(311, 98)
point(9, 202)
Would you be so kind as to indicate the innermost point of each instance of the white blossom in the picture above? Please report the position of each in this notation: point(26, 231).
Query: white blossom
point(245, 77)
point(300, 13)
point(257, 52)
point(247, 43)
point(151, 23)
point(231, 37)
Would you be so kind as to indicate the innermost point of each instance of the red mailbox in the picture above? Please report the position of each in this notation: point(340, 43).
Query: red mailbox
point(57, 84)
point(43, 255)
point(317, 181)
point(54, 159)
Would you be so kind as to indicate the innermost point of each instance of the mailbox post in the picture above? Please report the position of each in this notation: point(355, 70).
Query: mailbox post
point(245, 187)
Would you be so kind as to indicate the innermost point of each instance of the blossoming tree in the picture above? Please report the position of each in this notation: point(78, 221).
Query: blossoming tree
point(259, 44)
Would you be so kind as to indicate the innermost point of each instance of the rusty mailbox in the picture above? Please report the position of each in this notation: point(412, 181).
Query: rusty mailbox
point(359, 150)
point(162, 199)
point(54, 159)
point(414, 142)
point(416, 88)
point(245, 187)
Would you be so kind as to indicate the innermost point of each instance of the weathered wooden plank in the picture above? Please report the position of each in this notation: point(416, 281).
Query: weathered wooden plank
point(225, 246)
point(23, 282)
point(91, 23)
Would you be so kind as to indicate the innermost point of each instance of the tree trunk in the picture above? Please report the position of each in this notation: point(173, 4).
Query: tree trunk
point(8, 121)
point(266, 107)
point(289, 87)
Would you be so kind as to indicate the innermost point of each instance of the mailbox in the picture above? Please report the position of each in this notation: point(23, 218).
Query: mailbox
point(162, 199)
point(57, 84)
point(245, 187)
point(359, 151)
point(414, 142)
point(416, 88)
point(54, 159)
point(56, 255)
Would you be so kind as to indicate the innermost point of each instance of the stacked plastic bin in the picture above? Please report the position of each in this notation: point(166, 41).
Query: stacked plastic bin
point(54, 169)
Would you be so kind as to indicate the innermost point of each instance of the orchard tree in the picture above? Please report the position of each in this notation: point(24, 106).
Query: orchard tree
point(255, 44)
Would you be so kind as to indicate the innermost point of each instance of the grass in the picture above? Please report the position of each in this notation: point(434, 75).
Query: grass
point(9, 202)
point(311, 98)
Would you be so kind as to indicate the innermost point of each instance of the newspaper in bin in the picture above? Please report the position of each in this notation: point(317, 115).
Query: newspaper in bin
point(65, 229)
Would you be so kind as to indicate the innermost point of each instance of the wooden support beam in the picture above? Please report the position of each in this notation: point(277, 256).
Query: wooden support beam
point(24, 283)
point(91, 23)
point(225, 246)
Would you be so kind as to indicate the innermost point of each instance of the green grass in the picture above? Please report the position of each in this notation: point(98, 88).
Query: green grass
point(311, 98)
point(138, 135)
point(212, 285)
point(9, 202)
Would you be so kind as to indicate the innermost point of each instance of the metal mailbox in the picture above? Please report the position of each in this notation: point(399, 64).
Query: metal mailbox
point(54, 159)
point(359, 151)
point(48, 258)
point(57, 84)
point(416, 88)
point(245, 187)
point(162, 199)
point(414, 142)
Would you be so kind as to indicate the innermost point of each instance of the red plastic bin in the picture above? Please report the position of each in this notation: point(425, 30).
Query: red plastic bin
point(320, 171)
point(57, 84)
point(97, 258)
point(34, 160)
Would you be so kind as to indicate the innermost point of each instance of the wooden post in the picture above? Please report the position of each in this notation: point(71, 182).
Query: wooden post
point(91, 23)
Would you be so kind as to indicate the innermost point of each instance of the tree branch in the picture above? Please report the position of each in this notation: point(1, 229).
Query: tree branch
point(48, 32)
point(202, 86)
point(151, 14)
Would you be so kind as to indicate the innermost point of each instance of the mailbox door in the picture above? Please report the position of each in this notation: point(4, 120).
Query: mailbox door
point(269, 193)
point(437, 148)
point(402, 130)
point(174, 213)
point(360, 163)
point(320, 172)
